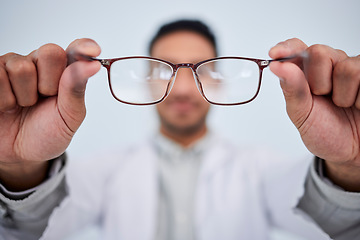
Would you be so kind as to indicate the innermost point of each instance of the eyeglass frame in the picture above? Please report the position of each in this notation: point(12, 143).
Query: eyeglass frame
point(261, 63)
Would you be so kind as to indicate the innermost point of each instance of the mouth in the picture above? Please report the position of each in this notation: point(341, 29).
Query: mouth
point(182, 106)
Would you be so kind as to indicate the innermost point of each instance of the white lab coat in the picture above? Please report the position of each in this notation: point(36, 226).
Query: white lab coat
point(241, 195)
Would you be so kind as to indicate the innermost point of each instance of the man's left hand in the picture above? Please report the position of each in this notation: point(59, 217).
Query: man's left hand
point(322, 95)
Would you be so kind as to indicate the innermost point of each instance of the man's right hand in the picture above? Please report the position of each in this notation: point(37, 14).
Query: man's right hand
point(41, 107)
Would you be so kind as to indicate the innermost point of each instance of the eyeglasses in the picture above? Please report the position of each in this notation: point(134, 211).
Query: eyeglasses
point(142, 80)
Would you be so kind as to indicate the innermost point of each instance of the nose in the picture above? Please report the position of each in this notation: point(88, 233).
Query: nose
point(184, 82)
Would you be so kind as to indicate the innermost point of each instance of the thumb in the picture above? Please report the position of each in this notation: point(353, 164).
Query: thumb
point(296, 90)
point(71, 96)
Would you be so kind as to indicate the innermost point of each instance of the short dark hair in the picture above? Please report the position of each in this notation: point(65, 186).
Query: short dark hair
point(196, 26)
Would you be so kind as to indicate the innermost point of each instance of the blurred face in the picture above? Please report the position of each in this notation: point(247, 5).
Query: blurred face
point(184, 111)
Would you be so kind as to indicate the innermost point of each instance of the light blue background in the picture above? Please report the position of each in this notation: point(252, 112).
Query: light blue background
point(122, 28)
point(244, 28)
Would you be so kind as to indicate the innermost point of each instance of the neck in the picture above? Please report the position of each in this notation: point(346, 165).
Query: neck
point(184, 138)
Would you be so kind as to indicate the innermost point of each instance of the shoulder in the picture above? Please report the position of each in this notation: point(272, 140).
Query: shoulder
point(260, 159)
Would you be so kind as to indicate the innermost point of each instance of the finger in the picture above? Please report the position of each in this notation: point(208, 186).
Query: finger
point(287, 48)
point(73, 83)
point(346, 81)
point(296, 91)
point(7, 98)
point(84, 46)
point(22, 76)
point(50, 61)
point(318, 67)
point(357, 101)
point(72, 91)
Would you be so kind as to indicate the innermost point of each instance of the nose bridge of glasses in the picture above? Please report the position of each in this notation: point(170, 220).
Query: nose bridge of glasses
point(191, 67)
point(184, 65)
point(180, 75)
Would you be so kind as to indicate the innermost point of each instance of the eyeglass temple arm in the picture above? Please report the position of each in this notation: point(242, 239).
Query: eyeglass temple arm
point(302, 55)
point(83, 57)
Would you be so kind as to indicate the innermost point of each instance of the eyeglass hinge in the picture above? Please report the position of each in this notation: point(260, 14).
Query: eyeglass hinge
point(264, 63)
point(105, 62)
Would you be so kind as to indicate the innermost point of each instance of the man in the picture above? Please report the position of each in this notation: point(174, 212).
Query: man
point(185, 183)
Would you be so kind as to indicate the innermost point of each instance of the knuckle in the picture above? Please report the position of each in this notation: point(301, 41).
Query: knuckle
point(296, 41)
point(51, 62)
point(52, 51)
point(27, 102)
point(346, 77)
point(320, 87)
point(47, 91)
point(357, 104)
point(317, 51)
point(341, 55)
point(9, 55)
point(4, 59)
point(7, 103)
point(347, 71)
point(3, 74)
point(341, 102)
point(20, 66)
point(320, 90)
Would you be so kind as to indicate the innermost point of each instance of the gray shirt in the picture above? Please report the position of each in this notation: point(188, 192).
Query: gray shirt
point(178, 170)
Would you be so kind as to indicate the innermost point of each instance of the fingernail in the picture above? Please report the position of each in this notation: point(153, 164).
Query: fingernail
point(89, 43)
point(279, 48)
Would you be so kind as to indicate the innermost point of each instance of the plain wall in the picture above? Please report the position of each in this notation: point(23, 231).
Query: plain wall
point(122, 28)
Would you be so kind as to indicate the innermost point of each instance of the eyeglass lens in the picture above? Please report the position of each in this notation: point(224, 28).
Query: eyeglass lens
point(229, 81)
point(146, 81)
point(140, 81)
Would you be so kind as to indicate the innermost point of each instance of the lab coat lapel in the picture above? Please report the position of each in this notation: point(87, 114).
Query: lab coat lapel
point(134, 208)
point(213, 162)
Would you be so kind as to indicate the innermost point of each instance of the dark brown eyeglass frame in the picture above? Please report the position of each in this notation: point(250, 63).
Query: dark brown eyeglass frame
point(261, 63)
